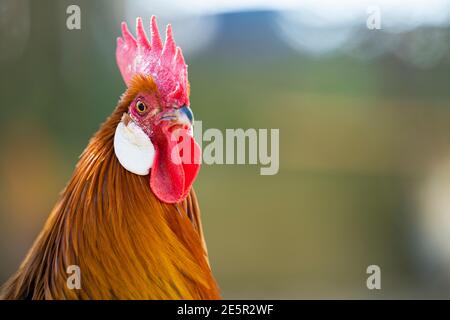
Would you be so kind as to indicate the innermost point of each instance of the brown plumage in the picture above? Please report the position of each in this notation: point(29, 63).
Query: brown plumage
point(127, 243)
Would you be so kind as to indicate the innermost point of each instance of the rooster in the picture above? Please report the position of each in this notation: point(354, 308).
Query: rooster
point(129, 218)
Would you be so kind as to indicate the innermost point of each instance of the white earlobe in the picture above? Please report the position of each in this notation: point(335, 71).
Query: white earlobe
point(133, 148)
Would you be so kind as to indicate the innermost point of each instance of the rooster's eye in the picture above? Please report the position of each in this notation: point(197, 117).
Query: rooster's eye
point(141, 107)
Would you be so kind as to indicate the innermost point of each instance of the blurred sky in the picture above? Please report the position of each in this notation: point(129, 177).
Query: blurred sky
point(364, 134)
point(299, 21)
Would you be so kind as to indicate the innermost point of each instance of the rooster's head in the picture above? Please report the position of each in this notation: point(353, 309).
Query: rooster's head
point(155, 135)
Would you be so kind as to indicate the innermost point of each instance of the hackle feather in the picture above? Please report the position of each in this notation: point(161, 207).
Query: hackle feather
point(127, 243)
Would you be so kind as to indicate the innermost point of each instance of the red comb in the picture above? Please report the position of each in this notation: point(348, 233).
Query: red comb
point(165, 63)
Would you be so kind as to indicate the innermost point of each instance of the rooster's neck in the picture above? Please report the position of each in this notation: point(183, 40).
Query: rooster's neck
point(127, 243)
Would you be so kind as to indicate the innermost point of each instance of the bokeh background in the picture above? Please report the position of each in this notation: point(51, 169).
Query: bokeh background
point(364, 119)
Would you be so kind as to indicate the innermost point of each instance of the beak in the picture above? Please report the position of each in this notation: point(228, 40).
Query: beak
point(186, 114)
point(181, 116)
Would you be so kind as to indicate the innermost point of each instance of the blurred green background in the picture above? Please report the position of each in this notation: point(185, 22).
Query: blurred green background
point(364, 119)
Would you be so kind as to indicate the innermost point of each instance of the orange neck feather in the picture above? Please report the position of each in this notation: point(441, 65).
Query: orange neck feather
point(127, 243)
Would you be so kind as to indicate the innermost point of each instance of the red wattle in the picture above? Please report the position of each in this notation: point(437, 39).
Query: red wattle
point(172, 175)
